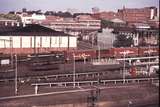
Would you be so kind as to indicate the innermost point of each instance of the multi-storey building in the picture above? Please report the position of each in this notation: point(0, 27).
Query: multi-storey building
point(30, 18)
point(137, 14)
point(142, 34)
point(74, 26)
point(105, 15)
point(130, 15)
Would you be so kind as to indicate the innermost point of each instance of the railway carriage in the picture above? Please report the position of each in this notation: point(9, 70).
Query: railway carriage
point(46, 61)
point(119, 52)
point(113, 53)
point(148, 51)
point(81, 55)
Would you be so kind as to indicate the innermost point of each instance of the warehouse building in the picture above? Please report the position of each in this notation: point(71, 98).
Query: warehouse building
point(35, 39)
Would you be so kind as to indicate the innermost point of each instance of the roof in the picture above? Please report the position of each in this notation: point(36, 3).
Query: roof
point(141, 25)
point(85, 17)
point(53, 18)
point(124, 29)
point(31, 30)
point(133, 29)
point(2, 19)
point(116, 20)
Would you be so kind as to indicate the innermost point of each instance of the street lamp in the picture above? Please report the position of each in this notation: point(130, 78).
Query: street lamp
point(74, 68)
point(16, 75)
point(124, 65)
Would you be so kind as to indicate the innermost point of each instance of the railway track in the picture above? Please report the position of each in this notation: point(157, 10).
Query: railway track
point(94, 83)
point(81, 69)
point(68, 77)
point(87, 74)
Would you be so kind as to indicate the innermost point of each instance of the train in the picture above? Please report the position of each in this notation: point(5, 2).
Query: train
point(113, 53)
point(103, 53)
point(44, 61)
point(41, 61)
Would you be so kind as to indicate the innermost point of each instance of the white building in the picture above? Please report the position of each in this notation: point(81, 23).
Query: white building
point(35, 38)
point(28, 19)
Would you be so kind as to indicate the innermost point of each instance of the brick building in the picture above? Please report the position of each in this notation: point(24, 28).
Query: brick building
point(105, 15)
point(130, 15)
point(142, 34)
point(73, 26)
point(137, 14)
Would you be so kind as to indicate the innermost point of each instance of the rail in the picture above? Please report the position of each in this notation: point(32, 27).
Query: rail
point(138, 80)
point(152, 57)
point(146, 63)
point(58, 75)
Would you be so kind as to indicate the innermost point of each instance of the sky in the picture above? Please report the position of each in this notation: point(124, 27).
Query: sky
point(80, 5)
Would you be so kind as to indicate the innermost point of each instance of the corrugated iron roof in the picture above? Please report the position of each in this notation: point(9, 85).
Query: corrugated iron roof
point(30, 30)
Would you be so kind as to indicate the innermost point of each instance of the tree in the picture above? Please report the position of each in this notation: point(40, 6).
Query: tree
point(24, 10)
point(67, 14)
point(11, 12)
point(50, 13)
point(10, 16)
point(61, 14)
point(123, 41)
point(77, 14)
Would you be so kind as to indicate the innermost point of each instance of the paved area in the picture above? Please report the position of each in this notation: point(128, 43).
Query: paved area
point(116, 96)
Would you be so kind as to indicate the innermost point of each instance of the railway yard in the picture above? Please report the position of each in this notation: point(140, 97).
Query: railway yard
point(58, 54)
point(78, 84)
point(83, 78)
point(136, 95)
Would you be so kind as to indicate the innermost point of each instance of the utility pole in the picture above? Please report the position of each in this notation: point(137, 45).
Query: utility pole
point(99, 54)
point(16, 75)
point(149, 52)
point(84, 61)
point(67, 31)
point(11, 47)
point(35, 45)
point(124, 56)
point(74, 71)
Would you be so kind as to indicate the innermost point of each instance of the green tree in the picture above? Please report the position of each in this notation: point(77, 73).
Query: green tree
point(10, 17)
